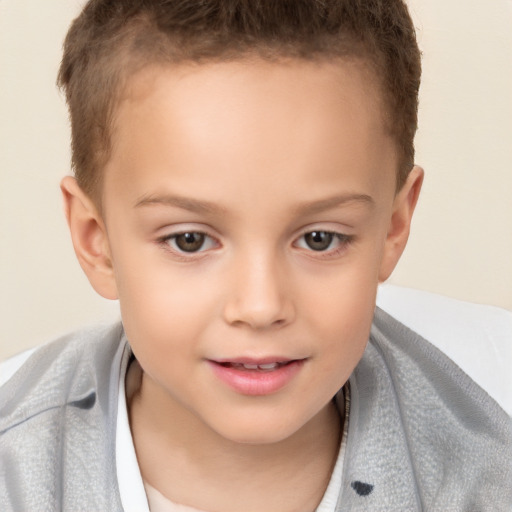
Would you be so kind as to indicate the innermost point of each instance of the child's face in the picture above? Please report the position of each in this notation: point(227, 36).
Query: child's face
point(248, 214)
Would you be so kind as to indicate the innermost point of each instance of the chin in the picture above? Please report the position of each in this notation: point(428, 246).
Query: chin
point(250, 431)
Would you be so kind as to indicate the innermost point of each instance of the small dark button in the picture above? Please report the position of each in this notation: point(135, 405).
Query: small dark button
point(361, 488)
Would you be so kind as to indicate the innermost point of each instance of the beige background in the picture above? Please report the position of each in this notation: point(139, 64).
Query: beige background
point(461, 244)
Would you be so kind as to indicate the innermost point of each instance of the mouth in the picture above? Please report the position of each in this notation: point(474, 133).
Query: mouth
point(262, 367)
point(257, 377)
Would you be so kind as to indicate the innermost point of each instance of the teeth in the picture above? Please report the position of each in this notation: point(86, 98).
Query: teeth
point(269, 366)
point(250, 366)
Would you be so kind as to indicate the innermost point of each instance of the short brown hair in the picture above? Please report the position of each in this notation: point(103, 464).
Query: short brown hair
point(111, 40)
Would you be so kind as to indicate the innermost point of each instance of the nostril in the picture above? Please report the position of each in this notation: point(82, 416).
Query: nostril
point(258, 307)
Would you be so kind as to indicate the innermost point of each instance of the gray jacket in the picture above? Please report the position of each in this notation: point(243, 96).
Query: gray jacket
point(422, 435)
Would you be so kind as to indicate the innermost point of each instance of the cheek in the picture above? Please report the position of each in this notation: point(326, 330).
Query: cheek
point(159, 305)
point(161, 312)
point(344, 297)
point(341, 311)
point(161, 322)
point(151, 284)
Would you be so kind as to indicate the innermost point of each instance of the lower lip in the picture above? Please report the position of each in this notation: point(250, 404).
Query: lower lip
point(257, 382)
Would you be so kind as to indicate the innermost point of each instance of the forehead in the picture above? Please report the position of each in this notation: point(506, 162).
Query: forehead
point(258, 81)
point(235, 119)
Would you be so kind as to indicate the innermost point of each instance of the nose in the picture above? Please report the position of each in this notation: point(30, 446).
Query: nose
point(260, 296)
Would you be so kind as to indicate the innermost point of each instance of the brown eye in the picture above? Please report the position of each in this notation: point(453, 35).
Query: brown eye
point(189, 242)
point(318, 240)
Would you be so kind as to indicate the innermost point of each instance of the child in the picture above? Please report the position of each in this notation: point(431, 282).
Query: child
point(244, 179)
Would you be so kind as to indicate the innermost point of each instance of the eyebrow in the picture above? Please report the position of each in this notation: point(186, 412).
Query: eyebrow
point(206, 207)
point(333, 202)
point(185, 203)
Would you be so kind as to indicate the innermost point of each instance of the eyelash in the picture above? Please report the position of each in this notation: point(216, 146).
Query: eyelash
point(343, 241)
point(168, 241)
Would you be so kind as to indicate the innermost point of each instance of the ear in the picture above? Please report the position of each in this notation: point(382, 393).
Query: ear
point(89, 237)
point(400, 223)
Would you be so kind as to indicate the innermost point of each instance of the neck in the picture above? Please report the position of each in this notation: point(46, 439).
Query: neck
point(179, 454)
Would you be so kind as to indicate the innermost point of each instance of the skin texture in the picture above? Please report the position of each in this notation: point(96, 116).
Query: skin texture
point(255, 155)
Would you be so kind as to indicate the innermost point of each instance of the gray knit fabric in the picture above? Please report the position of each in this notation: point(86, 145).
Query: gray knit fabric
point(57, 428)
point(422, 435)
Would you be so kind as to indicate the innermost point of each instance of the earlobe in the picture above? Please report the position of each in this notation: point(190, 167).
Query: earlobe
point(89, 237)
point(400, 223)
